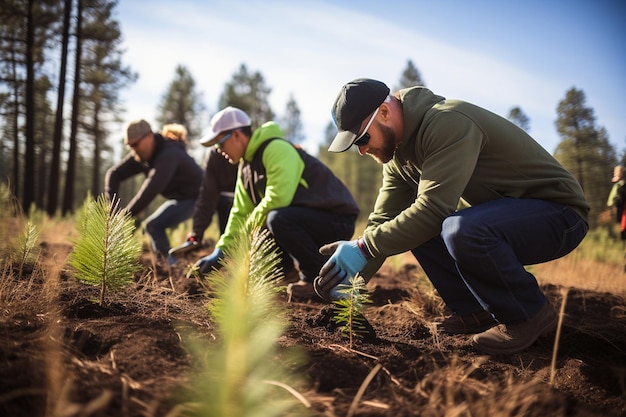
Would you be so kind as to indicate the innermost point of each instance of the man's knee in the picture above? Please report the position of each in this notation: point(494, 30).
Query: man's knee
point(276, 221)
point(457, 232)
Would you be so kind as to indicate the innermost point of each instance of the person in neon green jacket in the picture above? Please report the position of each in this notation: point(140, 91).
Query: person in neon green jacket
point(300, 201)
point(524, 208)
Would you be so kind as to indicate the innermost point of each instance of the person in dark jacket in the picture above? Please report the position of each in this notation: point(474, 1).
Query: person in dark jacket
point(522, 207)
point(169, 171)
point(617, 198)
point(302, 203)
point(216, 196)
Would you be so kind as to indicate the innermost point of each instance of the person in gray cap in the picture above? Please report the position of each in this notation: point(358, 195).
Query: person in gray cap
point(279, 186)
point(440, 155)
point(169, 171)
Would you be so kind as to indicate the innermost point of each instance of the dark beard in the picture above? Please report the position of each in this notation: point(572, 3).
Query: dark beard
point(388, 148)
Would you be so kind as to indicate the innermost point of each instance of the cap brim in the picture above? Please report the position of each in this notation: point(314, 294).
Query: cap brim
point(209, 139)
point(131, 143)
point(134, 141)
point(342, 141)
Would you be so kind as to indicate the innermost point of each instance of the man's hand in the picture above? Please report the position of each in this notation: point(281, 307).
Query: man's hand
point(210, 262)
point(347, 260)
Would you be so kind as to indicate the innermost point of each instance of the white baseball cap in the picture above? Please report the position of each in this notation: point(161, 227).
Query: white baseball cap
point(229, 118)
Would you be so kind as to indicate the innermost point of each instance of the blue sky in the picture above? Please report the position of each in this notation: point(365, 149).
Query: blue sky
point(497, 54)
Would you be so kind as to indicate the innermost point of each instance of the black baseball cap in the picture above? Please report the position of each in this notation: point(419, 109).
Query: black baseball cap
point(356, 100)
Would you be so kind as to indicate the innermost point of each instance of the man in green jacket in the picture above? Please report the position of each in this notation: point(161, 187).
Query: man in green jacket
point(441, 155)
point(300, 201)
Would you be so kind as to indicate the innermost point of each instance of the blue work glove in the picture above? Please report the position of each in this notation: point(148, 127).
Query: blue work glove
point(348, 259)
point(210, 262)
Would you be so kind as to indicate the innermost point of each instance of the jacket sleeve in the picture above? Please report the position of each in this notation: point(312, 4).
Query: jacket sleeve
point(159, 176)
point(206, 204)
point(450, 149)
point(114, 176)
point(242, 207)
point(283, 169)
point(613, 195)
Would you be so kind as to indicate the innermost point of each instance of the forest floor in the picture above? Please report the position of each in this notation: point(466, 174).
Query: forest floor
point(61, 354)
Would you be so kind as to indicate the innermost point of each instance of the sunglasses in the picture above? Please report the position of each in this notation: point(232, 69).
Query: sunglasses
point(221, 141)
point(137, 142)
point(364, 138)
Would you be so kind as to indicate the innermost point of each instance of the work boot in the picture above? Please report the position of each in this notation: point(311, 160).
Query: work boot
point(468, 324)
point(301, 290)
point(512, 338)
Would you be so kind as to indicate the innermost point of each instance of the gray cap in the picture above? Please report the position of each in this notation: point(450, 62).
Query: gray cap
point(136, 130)
point(229, 118)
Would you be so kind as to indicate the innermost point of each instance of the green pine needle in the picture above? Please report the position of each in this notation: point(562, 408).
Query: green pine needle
point(106, 252)
point(242, 371)
point(26, 243)
point(349, 310)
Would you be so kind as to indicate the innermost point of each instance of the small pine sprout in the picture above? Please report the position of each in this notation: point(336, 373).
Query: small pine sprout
point(26, 244)
point(349, 310)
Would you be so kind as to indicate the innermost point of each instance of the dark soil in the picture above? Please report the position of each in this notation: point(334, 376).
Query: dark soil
point(63, 354)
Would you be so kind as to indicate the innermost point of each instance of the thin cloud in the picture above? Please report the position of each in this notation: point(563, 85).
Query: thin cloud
point(309, 49)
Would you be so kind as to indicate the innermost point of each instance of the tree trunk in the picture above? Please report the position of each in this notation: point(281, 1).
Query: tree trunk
point(42, 168)
point(29, 152)
point(16, 132)
point(68, 197)
point(55, 165)
point(97, 148)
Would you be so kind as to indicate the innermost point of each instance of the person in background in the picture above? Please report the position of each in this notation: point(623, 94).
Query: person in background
point(524, 208)
point(617, 198)
point(169, 171)
point(216, 196)
point(175, 132)
point(300, 201)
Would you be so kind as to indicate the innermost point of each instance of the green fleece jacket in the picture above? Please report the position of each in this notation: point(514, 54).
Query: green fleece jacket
point(452, 150)
point(284, 177)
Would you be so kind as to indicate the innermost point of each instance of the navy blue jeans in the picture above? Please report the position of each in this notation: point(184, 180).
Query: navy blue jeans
point(478, 260)
point(169, 214)
point(301, 231)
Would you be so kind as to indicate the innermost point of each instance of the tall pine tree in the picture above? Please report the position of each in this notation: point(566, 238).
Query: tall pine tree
point(517, 116)
point(585, 149)
point(248, 92)
point(291, 123)
point(182, 103)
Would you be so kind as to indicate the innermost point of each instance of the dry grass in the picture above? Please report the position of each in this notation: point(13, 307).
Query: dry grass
point(584, 274)
point(572, 270)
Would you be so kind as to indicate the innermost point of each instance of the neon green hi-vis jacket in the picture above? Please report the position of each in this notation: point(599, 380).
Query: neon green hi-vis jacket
point(283, 176)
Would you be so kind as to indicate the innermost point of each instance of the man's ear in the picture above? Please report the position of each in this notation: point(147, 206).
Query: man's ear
point(384, 111)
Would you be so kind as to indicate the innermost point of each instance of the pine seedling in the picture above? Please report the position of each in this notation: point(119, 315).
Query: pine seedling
point(11, 217)
point(105, 252)
point(26, 244)
point(243, 372)
point(349, 310)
